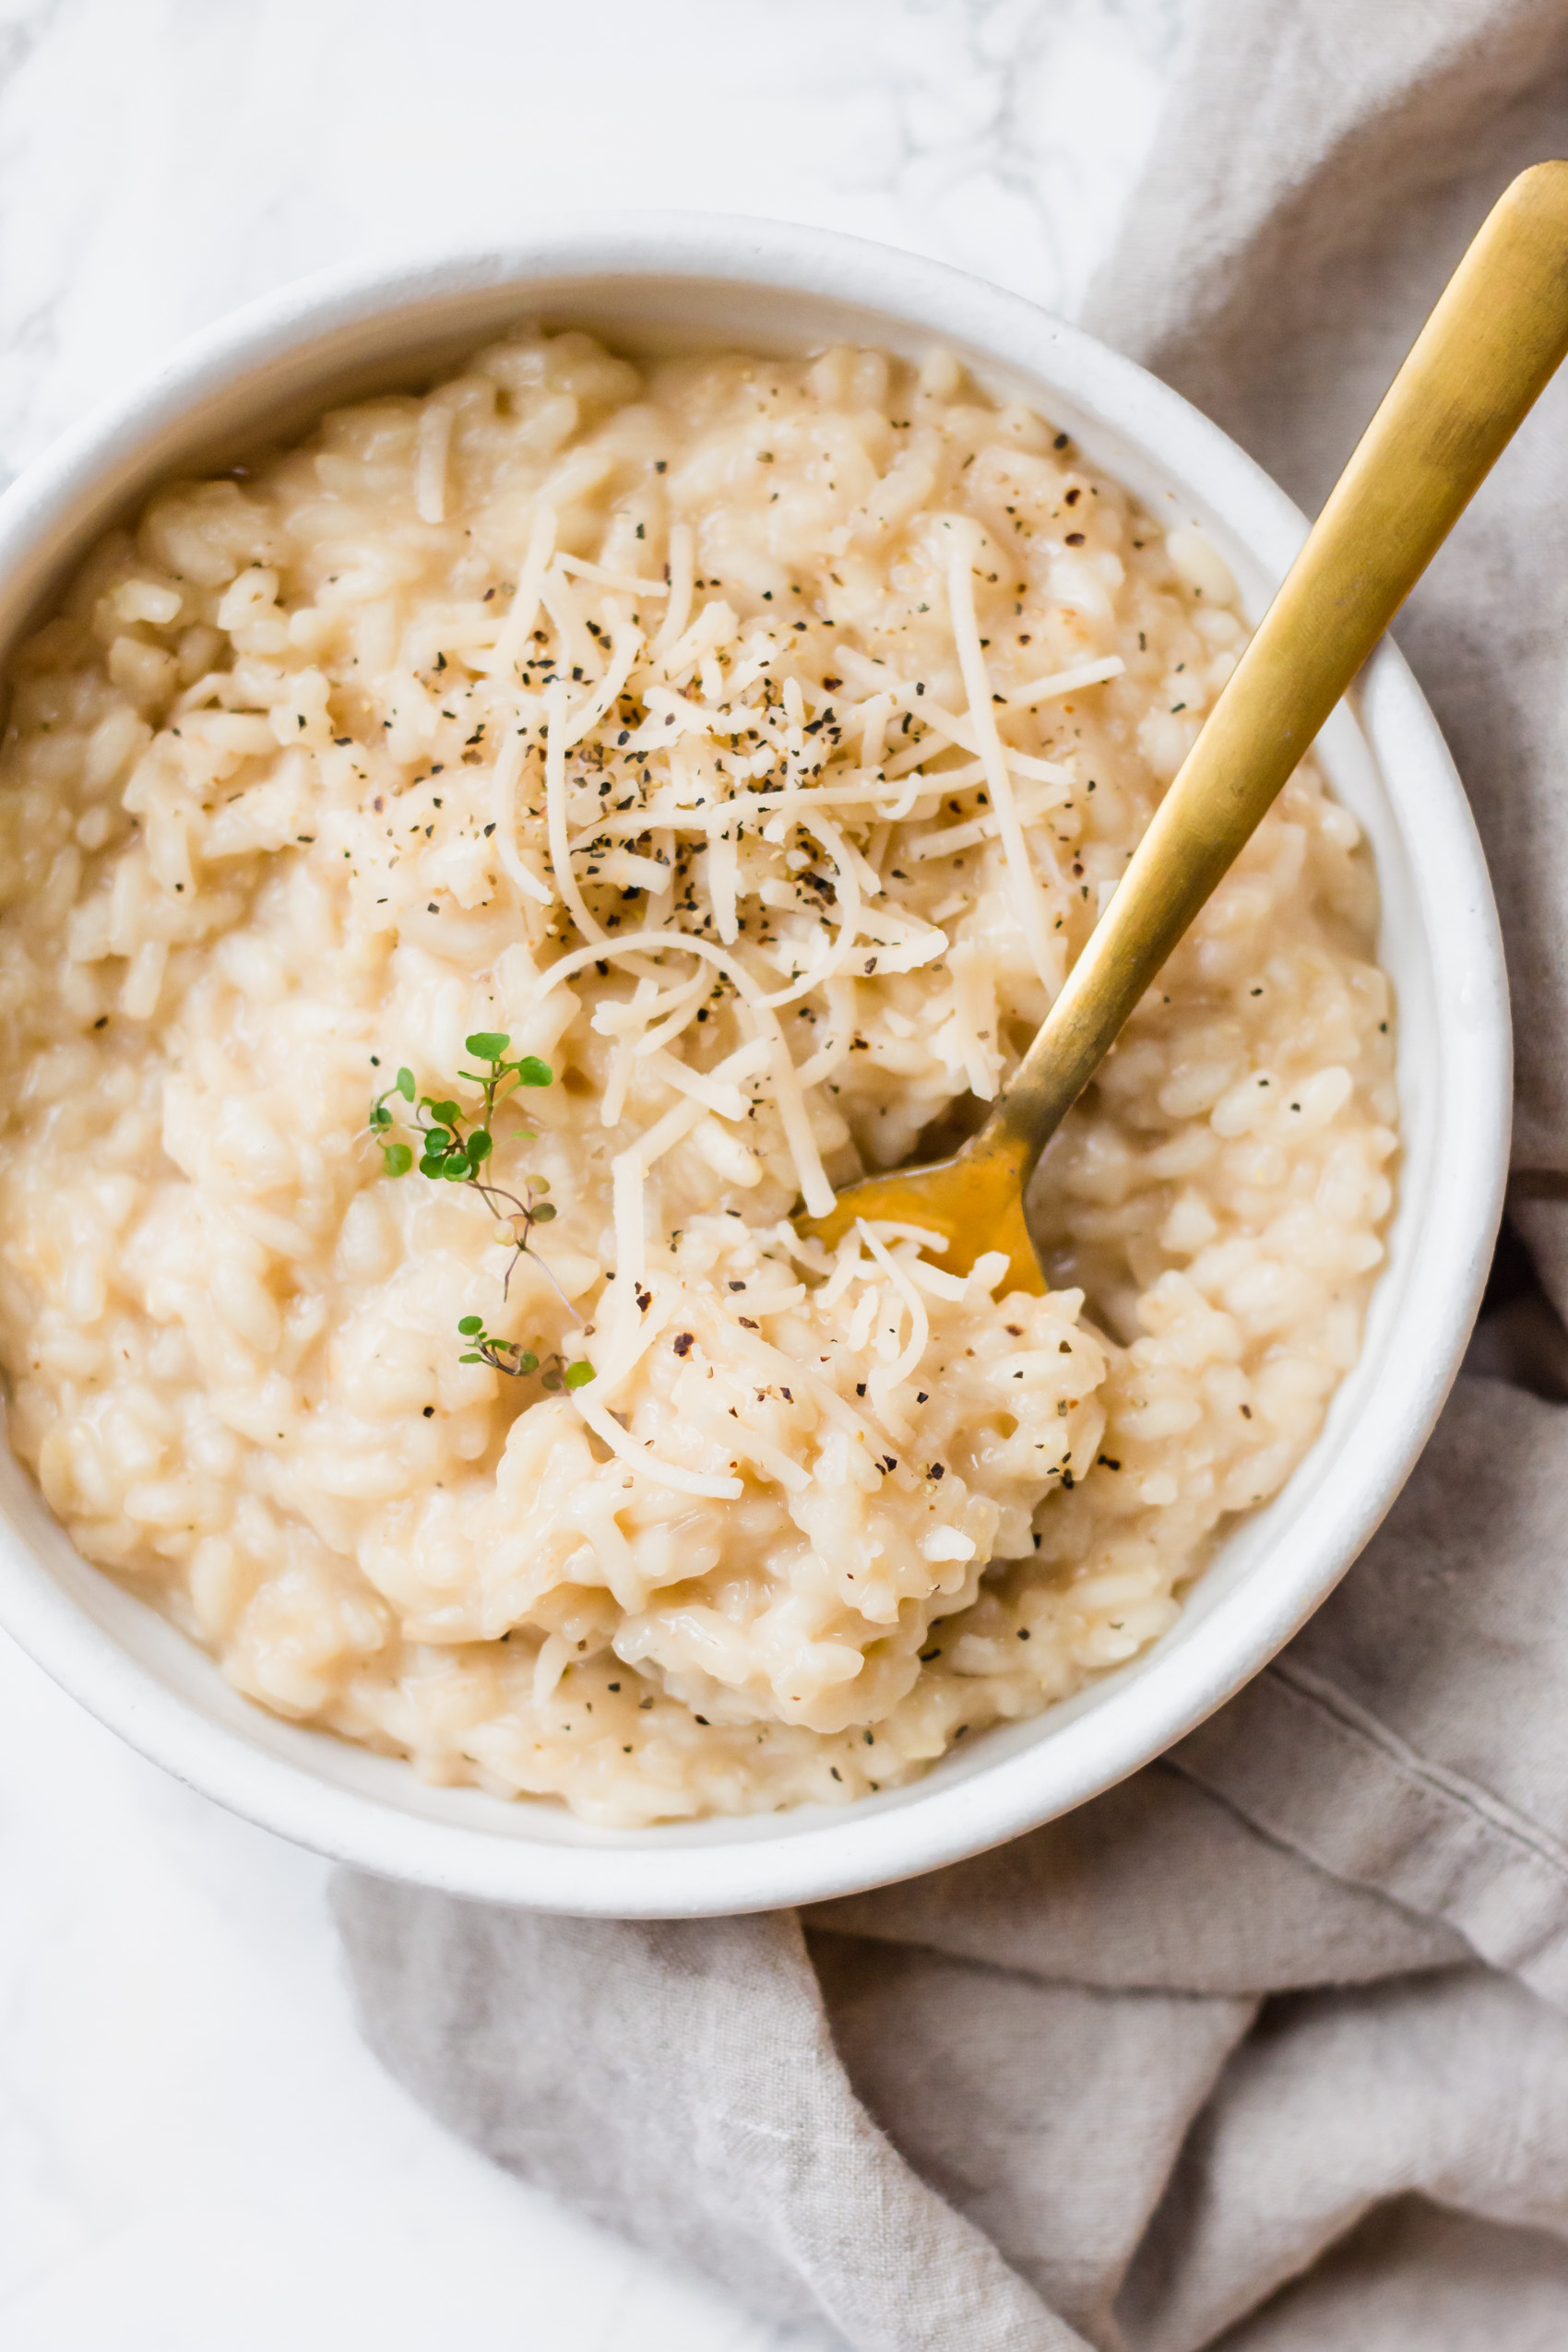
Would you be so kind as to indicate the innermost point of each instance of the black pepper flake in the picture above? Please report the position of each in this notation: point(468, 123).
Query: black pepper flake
point(1074, 539)
point(681, 1343)
point(938, 1471)
point(1023, 1630)
point(1109, 1461)
point(430, 1412)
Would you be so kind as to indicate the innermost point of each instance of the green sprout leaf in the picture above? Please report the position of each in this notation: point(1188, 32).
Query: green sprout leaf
point(489, 1349)
point(454, 1146)
point(578, 1375)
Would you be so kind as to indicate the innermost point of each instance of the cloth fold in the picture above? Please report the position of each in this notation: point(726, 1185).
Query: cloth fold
point(1267, 2050)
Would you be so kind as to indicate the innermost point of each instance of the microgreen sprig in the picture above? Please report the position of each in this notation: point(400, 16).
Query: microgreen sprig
point(454, 1146)
point(488, 1349)
point(446, 1151)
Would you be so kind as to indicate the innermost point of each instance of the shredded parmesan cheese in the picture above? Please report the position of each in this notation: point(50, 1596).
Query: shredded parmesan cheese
point(1022, 886)
point(525, 604)
point(435, 441)
point(555, 804)
point(1064, 681)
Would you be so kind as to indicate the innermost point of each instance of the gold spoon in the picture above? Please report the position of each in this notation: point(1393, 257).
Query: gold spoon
point(1481, 361)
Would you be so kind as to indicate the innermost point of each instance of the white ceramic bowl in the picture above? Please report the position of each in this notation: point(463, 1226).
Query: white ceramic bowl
point(671, 280)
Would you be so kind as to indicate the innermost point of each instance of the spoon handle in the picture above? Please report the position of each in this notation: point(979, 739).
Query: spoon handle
point(1480, 362)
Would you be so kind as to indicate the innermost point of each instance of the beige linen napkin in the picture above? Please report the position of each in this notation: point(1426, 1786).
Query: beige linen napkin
point(1267, 2048)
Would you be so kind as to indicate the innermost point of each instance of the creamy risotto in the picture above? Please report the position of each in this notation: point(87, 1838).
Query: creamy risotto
point(725, 759)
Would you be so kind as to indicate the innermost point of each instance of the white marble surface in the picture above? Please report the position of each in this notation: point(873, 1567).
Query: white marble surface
point(196, 2153)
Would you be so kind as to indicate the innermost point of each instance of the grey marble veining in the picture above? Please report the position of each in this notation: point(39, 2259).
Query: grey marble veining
point(1009, 131)
point(162, 160)
point(195, 2152)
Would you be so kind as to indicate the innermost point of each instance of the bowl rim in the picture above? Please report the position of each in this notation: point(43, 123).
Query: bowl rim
point(758, 1862)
